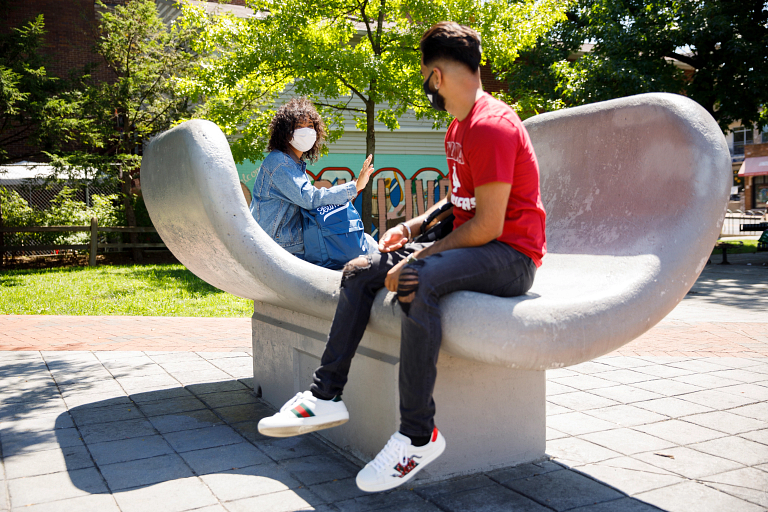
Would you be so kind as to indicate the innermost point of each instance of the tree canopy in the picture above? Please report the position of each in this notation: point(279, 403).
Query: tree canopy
point(721, 47)
point(336, 51)
point(118, 115)
point(33, 108)
point(114, 118)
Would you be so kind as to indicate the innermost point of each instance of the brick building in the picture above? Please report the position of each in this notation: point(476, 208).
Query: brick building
point(69, 40)
point(71, 30)
point(754, 170)
point(749, 157)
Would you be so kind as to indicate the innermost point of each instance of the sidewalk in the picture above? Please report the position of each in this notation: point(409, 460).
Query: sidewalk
point(165, 419)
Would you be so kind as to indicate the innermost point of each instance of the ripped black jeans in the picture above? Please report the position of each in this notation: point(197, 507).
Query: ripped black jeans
point(494, 268)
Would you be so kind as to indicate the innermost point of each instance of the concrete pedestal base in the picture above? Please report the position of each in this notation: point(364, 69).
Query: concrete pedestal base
point(490, 416)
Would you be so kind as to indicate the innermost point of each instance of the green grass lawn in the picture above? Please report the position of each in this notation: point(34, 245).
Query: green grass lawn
point(142, 290)
point(736, 247)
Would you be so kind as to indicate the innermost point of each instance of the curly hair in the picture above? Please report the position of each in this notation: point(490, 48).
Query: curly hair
point(285, 122)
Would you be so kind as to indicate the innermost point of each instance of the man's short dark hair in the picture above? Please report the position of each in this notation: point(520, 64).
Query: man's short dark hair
point(451, 41)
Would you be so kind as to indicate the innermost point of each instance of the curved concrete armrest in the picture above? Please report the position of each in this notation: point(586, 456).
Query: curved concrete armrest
point(635, 191)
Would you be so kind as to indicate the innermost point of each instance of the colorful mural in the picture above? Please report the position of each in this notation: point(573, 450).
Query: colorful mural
point(421, 174)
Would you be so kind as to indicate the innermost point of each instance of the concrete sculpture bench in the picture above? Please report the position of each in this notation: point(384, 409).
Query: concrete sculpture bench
point(635, 190)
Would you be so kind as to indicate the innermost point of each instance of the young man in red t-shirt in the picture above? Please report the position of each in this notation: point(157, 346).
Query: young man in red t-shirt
point(495, 247)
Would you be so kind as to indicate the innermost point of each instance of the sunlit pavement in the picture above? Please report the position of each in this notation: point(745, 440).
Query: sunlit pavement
point(147, 413)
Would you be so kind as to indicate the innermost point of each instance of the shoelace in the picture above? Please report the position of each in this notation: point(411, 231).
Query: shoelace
point(293, 401)
point(394, 451)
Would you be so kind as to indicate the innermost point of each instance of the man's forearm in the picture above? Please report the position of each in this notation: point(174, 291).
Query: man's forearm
point(486, 225)
point(466, 235)
point(415, 223)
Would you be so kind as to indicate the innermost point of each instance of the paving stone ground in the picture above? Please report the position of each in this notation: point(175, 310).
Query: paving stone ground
point(165, 419)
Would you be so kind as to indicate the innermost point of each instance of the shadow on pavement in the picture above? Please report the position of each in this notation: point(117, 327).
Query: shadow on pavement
point(742, 284)
point(125, 444)
point(189, 447)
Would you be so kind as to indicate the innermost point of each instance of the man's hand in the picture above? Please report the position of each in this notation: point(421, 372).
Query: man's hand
point(393, 276)
point(486, 225)
point(393, 239)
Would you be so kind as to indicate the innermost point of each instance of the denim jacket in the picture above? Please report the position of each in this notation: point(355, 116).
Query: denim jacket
point(281, 189)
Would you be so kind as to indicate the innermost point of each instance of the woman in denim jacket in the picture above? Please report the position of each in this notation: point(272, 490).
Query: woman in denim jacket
point(282, 187)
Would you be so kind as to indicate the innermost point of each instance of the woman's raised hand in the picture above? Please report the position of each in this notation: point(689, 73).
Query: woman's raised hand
point(365, 174)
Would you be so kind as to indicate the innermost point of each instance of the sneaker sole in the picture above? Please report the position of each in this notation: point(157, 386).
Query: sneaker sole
point(297, 430)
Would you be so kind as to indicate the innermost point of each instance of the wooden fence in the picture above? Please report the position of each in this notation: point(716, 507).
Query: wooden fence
point(92, 247)
point(411, 205)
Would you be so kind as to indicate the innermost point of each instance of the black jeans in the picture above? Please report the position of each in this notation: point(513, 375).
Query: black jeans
point(494, 268)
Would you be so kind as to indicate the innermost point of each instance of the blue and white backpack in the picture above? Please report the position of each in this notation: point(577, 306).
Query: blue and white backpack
point(333, 235)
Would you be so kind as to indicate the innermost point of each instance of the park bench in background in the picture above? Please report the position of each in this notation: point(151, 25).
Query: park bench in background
point(761, 226)
point(762, 242)
point(617, 264)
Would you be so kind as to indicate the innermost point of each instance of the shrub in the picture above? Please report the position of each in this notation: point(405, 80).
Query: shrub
point(17, 213)
point(64, 210)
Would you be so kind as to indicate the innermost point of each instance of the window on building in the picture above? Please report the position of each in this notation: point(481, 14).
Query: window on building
point(760, 190)
point(741, 137)
point(765, 137)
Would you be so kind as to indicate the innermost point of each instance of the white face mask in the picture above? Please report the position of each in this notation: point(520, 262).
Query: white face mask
point(303, 139)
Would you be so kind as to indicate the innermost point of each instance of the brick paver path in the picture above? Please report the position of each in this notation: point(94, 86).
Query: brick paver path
point(704, 339)
point(49, 332)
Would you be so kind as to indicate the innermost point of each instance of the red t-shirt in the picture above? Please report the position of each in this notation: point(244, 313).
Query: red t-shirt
point(491, 144)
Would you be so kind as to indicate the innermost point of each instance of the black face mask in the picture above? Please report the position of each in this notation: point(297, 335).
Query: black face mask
point(437, 101)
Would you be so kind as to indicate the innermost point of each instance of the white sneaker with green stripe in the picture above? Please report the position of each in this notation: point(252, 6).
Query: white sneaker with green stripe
point(304, 413)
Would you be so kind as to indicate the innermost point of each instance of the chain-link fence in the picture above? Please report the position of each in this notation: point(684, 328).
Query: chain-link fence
point(25, 202)
point(39, 195)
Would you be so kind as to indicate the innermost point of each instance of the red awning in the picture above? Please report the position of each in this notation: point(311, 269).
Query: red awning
point(755, 166)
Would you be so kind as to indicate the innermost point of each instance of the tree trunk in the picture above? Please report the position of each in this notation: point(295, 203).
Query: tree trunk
point(370, 149)
point(130, 215)
point(2, 236)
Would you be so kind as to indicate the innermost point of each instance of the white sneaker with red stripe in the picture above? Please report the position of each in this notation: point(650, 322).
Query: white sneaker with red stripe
point(304, 413)
point(398, 462)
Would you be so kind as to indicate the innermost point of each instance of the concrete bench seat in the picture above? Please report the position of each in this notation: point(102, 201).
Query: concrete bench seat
point(635, 191)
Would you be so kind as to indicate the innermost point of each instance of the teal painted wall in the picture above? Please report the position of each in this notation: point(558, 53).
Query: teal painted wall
point(407, 164)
